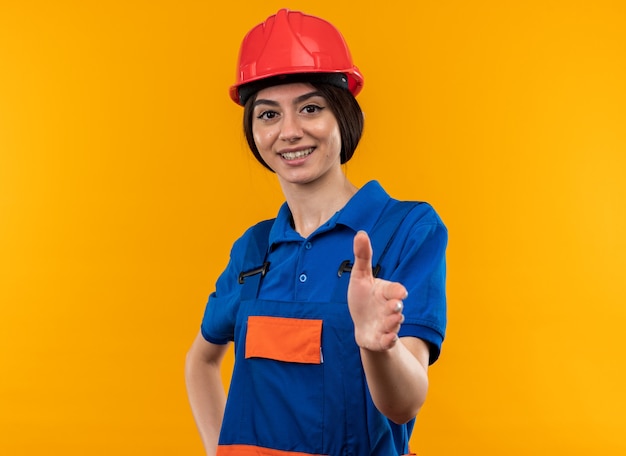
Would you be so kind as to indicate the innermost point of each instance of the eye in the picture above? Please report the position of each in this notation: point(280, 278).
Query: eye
point(312, 109)
point(267, 115)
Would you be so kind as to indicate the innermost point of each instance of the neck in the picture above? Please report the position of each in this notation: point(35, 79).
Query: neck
point(314, 204)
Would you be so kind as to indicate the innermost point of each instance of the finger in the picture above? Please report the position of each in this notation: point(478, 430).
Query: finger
point(394, 321)
point(388, 340)
point(362, 255)
point(394, 290)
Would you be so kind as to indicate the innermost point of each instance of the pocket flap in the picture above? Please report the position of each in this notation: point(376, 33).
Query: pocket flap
point(293, 340)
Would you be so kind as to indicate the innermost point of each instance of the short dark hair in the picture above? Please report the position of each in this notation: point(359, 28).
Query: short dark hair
point(344, 106)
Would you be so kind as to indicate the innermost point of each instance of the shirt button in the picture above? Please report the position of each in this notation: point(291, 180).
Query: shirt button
point(308, 246)
point(303, 278)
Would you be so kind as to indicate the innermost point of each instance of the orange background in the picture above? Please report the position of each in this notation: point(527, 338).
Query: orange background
point(124, 179)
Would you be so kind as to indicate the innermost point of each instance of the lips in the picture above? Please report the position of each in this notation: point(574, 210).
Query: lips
point(297, 154)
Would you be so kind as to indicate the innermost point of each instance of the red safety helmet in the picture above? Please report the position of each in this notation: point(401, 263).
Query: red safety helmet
point(294, 43)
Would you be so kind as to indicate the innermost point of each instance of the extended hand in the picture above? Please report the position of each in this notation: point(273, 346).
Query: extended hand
point(375, 304)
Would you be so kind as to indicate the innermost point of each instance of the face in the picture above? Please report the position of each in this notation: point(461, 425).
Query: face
point(296, 133)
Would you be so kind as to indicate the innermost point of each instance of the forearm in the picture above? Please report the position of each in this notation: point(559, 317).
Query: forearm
point(206, 397)
point(398, 378)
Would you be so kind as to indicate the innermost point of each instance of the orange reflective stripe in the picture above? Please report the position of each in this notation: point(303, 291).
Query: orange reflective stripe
point(284, 339)
point(251, 450)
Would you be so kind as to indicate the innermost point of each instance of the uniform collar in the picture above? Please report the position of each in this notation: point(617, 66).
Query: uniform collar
point(360, 213)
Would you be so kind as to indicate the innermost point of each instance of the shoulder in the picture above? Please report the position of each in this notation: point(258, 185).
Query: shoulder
point(412, 217)
point(424, 223)
point(415, 212)
point(423, 213)
point(256, 236)
point(422, 230)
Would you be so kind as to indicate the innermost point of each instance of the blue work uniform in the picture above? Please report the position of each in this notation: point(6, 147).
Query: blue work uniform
point(298, 385)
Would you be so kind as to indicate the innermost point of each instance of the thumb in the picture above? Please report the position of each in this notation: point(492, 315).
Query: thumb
point(362, 255)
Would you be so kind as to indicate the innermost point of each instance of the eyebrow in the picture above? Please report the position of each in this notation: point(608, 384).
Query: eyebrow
point(297, 100)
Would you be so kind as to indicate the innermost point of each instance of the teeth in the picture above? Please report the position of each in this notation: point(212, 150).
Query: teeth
point(298, 154)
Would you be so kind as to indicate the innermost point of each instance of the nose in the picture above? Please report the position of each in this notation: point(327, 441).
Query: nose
point(290, 128)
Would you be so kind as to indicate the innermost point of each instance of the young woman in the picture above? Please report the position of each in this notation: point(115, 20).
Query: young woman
point(337, 307)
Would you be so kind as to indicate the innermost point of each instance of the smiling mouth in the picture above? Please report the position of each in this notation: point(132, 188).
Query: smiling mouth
point(297, 154)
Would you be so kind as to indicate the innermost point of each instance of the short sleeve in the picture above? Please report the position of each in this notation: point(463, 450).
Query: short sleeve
point(421, 268)
point(218, 323)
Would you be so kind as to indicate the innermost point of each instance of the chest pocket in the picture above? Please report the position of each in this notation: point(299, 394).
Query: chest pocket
point(293, 340)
